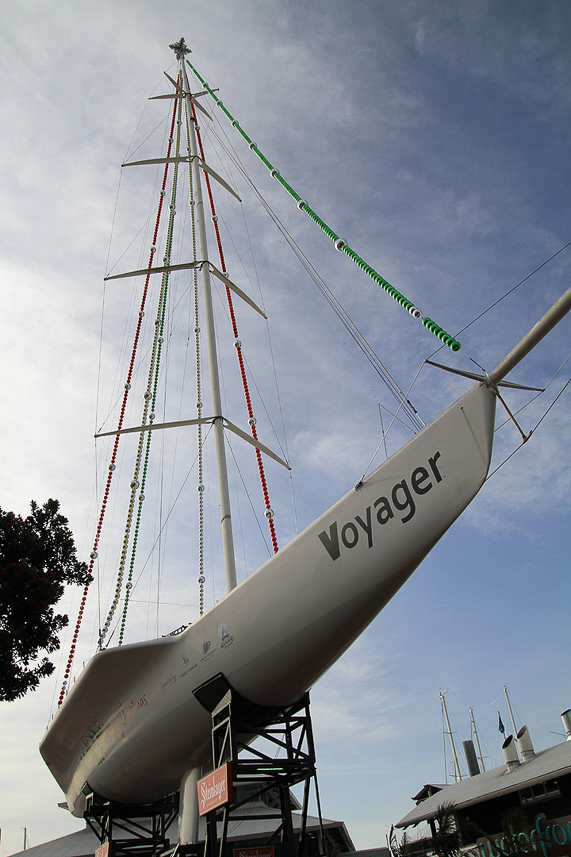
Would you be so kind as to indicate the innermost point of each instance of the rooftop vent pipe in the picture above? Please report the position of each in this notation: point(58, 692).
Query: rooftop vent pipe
point(525, 745)
point(567, 723)
point(471, 758)
point(510, 753)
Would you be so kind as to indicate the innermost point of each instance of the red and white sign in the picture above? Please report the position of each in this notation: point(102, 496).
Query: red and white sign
point(104, 850)
point(268, 851)
point(215, 789)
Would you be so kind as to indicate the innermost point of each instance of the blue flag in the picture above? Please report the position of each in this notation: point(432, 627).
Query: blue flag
point(501, 726)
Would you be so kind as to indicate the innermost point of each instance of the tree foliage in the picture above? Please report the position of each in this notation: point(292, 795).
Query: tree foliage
point(37, 559)
point(398, 849)
point(446, 841)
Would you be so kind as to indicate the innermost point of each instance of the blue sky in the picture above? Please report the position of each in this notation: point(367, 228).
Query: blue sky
point(432, 136)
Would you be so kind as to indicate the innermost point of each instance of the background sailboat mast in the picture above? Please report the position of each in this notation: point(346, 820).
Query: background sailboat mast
point(514, 727)
point(479, 749)
point(449, 731)
point(218, 429)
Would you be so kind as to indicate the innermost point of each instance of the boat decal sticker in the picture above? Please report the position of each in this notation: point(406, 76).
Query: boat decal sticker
point(188, 670)
point(226, 639)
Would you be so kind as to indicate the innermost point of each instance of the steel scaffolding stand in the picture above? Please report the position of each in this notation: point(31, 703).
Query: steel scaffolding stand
point(129, 830)
point(269, 750)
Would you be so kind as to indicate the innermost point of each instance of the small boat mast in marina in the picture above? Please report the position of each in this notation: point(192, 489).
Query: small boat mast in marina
point(276, 633)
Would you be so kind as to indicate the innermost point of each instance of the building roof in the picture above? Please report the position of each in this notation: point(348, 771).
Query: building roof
point(84, 842)
point(428, 790)
point(545, 765)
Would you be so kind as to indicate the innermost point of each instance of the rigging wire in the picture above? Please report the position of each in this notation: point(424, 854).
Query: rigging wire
point(280, 439)
point(508, 421)
point(93, 555)
point(160, 124)
point(340, 244)
point(330, 299)
point(249, 498)
point(163, 526)
point(347, 323)
point(385, 433)
point(484, 312)
point(303, 206)
point(504, 296)
point(513, 288)
point(238, 345)
point(168, 515)
point(519, 446)
point(149, 405)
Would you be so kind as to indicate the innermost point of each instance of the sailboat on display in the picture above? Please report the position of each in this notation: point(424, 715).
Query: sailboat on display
point(276, 633)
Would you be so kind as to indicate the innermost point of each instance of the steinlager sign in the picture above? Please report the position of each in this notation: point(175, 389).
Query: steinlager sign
point(215, 789)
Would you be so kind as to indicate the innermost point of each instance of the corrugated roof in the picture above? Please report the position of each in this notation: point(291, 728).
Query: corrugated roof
point(80, 844)
point(545, 765)
point(84, 842)
point(428, 790)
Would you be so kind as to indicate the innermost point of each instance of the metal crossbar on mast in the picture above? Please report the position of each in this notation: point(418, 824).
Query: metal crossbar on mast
point(125, 396)
point(239, 354)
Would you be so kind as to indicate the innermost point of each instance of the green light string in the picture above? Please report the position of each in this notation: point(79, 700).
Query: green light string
point(148, 418)
point(149, 403)
point(134, 482)
point(340, 244)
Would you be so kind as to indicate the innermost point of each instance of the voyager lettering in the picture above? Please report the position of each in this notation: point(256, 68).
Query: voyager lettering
point(399, 503)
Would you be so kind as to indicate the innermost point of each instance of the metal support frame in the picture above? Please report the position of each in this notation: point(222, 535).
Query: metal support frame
point(146, 825)
point(270, 749)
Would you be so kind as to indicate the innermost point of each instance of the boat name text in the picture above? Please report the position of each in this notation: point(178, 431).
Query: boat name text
point(400, 500)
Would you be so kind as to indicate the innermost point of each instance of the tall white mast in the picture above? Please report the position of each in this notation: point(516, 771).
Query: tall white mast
point(188, 813)
point(218, 428)
point(449, 731)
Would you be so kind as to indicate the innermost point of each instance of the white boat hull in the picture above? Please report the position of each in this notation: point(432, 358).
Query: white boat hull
point(130, 726)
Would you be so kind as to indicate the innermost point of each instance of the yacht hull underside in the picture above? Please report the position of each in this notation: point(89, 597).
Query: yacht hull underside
point(130, 726)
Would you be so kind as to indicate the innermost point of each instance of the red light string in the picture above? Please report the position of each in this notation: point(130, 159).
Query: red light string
point(251, 419)
point(93, 555)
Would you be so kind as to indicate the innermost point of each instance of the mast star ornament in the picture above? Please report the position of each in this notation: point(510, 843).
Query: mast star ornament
point(180, 48)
